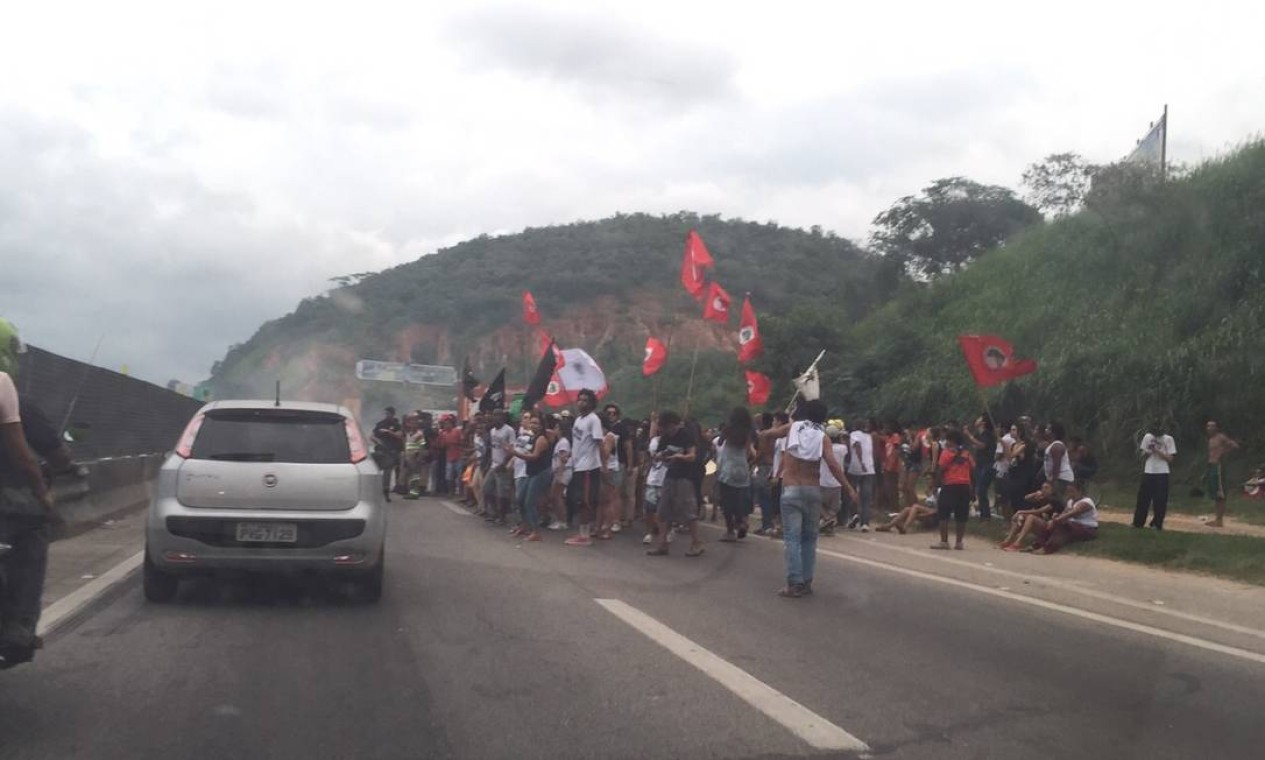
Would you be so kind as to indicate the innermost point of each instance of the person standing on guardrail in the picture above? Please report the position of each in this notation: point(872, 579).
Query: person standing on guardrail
point(26, 508)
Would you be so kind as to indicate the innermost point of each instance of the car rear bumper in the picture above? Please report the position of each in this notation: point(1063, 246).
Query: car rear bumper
point(185, 540)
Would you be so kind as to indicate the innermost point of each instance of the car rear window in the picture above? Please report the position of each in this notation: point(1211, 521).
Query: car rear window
point(272, 435)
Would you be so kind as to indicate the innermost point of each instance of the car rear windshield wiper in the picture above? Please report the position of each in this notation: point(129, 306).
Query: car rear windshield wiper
point(245, 456)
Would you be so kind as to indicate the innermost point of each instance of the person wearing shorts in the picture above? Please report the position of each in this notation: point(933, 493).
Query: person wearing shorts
point(953, 477)
point(678, 504)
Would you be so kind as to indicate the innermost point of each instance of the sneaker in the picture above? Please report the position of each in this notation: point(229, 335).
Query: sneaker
point(578, 541)
point(616, 527)
point(557, 525)
point(534, 536)
point(865, 528)
point(854, 522)
point(670, 536)
point(648, 539)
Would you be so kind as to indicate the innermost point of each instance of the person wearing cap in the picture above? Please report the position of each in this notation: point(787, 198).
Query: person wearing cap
point(26, 507)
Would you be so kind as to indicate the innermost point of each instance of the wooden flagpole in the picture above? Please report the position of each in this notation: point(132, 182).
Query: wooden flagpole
point(811, 367)
point(689, 390)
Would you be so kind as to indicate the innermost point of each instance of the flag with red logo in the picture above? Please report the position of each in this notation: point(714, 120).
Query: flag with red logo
point(716, 308)
point(531, 315)
point(695, 261)
point(992, 360)
point(656, 357)
point(750, 344)
point(758, 388)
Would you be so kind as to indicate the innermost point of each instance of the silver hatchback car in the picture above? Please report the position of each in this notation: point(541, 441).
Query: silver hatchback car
point(267, 486)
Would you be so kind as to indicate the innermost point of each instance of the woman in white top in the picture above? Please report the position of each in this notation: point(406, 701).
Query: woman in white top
point(1057, 461)
point(1079, 522)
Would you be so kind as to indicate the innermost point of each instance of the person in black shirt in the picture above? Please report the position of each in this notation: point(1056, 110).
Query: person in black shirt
point(983, 441)
point(625, 437)
point(388, 438)
point(677, 502)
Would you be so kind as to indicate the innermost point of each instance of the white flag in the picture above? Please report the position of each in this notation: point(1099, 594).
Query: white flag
point(808, 384)
point(579, 371)
point(1150, 149)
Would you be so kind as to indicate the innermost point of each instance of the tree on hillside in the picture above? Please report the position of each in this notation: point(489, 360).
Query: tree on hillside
point(950, 223)
point(1058, 184)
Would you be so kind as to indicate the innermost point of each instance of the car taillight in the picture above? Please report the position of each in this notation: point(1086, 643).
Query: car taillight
point(355, 442)
point(184, 449)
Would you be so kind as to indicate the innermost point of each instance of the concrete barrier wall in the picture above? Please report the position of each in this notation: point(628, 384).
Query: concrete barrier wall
point(104, 489)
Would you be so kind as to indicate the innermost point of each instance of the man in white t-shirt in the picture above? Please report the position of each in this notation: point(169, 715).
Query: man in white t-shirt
point(588, 458)
point(861, 473)
point(499, 485)
point(1157, 450)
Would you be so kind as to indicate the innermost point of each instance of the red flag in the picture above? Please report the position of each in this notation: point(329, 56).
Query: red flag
point(992, 360)
point(531, 315)
point(656, 357)
point(693, 264)
point(716, 308)
point(758, 388)
point(750, 344)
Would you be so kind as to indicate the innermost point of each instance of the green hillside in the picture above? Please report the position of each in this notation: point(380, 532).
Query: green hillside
point(1148, 306)
point(465, 300)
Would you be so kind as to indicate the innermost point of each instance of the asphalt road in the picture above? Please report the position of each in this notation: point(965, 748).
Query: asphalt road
point(484, 647)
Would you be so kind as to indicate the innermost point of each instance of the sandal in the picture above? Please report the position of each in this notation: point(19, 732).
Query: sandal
point(791, 592)
point(657, 552)
point(695, 551)
point(728, 538)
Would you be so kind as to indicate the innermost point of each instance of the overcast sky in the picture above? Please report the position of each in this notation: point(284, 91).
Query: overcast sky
point(173, 174)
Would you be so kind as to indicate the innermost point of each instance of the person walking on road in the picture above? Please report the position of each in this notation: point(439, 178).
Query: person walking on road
point(1219, 444)
point(388, 439)
point(678, 448)
point(588, 464)
point(734, 456)
point(1158, 450)
point(806, 448)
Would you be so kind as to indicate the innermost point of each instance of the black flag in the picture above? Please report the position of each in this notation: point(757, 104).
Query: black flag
point(540, 381)
point(495, 396)
point(468, 381)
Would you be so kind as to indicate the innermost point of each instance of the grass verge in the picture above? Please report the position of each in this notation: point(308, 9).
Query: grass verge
point(1122, 496)
point(1239, 558)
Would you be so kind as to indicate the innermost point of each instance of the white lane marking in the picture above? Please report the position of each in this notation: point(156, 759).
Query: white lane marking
point(1044, 582)
point(1193, 641)
point(799, 720)
point(455, 509)
point(63, 609)
point(1039, 580)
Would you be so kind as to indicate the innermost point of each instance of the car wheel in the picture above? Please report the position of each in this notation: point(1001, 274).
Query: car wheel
point(370, 584)
point(159, 587)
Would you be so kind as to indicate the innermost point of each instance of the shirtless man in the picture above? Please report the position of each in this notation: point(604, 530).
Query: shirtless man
point(1219, 444)
point(806, 447)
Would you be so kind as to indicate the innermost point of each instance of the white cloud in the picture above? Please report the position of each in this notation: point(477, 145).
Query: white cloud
point(176, 173)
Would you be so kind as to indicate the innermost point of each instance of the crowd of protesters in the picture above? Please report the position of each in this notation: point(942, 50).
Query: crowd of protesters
point(595, 474)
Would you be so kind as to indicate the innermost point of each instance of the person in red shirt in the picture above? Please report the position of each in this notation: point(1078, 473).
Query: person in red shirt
point(954, 475)
point(453, 443)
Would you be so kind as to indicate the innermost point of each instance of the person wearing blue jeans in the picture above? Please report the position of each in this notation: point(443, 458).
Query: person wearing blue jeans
point(806, 448)
point(538, 456)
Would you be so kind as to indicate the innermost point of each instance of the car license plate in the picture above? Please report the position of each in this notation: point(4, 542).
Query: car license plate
point(265, 532)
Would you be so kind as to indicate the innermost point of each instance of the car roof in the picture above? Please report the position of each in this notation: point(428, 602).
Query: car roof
point(305, 406)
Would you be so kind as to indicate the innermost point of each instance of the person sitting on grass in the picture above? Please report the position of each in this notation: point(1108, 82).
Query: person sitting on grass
point(1028, 522)
point(1254, 488)
point(1078, 522)
point(915, 514)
